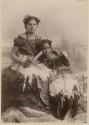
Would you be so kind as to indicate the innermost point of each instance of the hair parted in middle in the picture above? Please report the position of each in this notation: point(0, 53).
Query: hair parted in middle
point(27, 18)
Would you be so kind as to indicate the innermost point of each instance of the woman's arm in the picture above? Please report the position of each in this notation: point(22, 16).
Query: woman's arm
point(15, 57)
point(36, 57)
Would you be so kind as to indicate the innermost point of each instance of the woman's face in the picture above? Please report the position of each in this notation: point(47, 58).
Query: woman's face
point(46, 49)
point(31, 26)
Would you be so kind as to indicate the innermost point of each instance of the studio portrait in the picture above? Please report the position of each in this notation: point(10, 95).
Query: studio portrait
point(44, 55)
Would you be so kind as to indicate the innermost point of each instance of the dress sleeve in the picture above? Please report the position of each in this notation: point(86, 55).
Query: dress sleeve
point(64, 58)
point(17, 42)
point(65, 54)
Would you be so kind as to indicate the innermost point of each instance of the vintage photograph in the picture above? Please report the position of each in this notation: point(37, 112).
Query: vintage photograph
point(44, 51)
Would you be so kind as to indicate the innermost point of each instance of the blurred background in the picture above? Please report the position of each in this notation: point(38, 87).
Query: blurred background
point(65, 22)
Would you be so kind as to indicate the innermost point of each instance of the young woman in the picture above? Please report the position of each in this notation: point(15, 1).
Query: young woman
point(25, 44)
point(26, 47)
point(63, 87)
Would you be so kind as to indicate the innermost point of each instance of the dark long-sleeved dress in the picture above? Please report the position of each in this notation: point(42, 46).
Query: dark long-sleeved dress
point(12, 80)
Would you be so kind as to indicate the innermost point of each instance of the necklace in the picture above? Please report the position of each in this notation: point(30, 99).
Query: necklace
point(30, 36)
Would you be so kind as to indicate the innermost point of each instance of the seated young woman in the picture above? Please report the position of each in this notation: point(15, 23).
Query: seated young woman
point(63, 87)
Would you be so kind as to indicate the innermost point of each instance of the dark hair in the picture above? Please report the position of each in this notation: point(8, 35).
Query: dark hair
point(28, 18)
point(46, 41)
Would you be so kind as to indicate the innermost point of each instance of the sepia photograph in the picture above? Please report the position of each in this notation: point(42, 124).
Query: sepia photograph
point(44, 58)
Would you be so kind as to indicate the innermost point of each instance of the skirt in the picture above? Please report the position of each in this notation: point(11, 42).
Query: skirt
point(42, 75)
point(65, 84)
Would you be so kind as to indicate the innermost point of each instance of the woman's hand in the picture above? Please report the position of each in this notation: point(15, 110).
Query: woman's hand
point(35, 59)
point(26, 64)
point(35, 63)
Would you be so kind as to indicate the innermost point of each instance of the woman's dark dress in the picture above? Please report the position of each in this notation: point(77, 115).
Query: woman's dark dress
point(12, 82)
